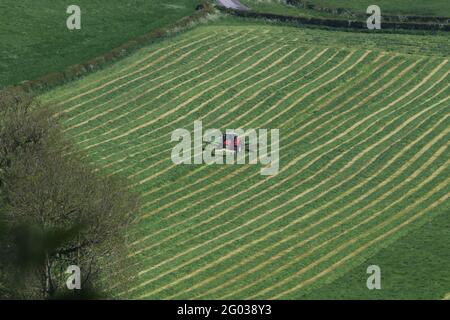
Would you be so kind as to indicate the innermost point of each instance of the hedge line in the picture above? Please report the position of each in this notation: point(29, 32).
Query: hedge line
point(389, 18)
point(336, 23)
point(73, 72)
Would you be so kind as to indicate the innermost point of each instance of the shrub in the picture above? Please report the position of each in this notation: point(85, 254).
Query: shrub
point(58, 210)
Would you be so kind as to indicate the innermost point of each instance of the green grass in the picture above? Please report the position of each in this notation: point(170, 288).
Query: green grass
point(35, 40)
point(431, 8)
point(364, 134)
point(439, 8)
point(420, 271)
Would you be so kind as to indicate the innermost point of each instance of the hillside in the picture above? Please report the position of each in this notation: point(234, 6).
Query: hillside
point(364, 137)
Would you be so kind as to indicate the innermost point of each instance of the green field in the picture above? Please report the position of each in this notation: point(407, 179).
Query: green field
point(439, 8)
point(432, 8)
point(364, 137)
point(35, 41)
point(419, 271)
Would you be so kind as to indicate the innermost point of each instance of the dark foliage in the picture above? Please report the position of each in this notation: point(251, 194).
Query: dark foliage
point(56, 210)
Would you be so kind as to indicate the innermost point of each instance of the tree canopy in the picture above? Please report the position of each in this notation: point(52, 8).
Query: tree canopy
point(56, 210)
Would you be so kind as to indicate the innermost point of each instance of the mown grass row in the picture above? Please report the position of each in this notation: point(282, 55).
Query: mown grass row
point(209, 106)
point(247, 120)
point(234, 74)
point(165, 72)
point(360, 131)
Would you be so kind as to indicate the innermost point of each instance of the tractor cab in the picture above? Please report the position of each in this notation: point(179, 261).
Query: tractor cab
point(231, 142)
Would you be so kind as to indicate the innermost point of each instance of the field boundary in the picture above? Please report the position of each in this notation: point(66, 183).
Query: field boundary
point(336, 23)
point(76, 71)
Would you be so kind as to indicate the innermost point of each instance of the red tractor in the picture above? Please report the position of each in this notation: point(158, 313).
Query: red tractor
point(231, 142)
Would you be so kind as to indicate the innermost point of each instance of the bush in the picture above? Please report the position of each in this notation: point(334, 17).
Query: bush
point(57, 209)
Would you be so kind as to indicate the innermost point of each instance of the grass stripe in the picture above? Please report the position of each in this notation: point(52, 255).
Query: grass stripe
point(169, 259)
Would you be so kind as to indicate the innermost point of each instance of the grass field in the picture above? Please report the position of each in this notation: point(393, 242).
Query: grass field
point(430, 8)
point(419, 271)
point(364, 137)
point(35, 41)
point(439, 8)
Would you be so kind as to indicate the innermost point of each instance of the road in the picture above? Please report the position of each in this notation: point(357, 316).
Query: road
point(233, 4)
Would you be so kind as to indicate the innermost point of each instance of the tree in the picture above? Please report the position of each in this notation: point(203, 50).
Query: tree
point(58, 210)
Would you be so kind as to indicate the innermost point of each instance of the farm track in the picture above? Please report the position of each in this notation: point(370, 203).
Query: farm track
point(363, 156)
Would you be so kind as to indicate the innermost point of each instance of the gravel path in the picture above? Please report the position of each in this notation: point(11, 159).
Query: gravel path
point(233, 4)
